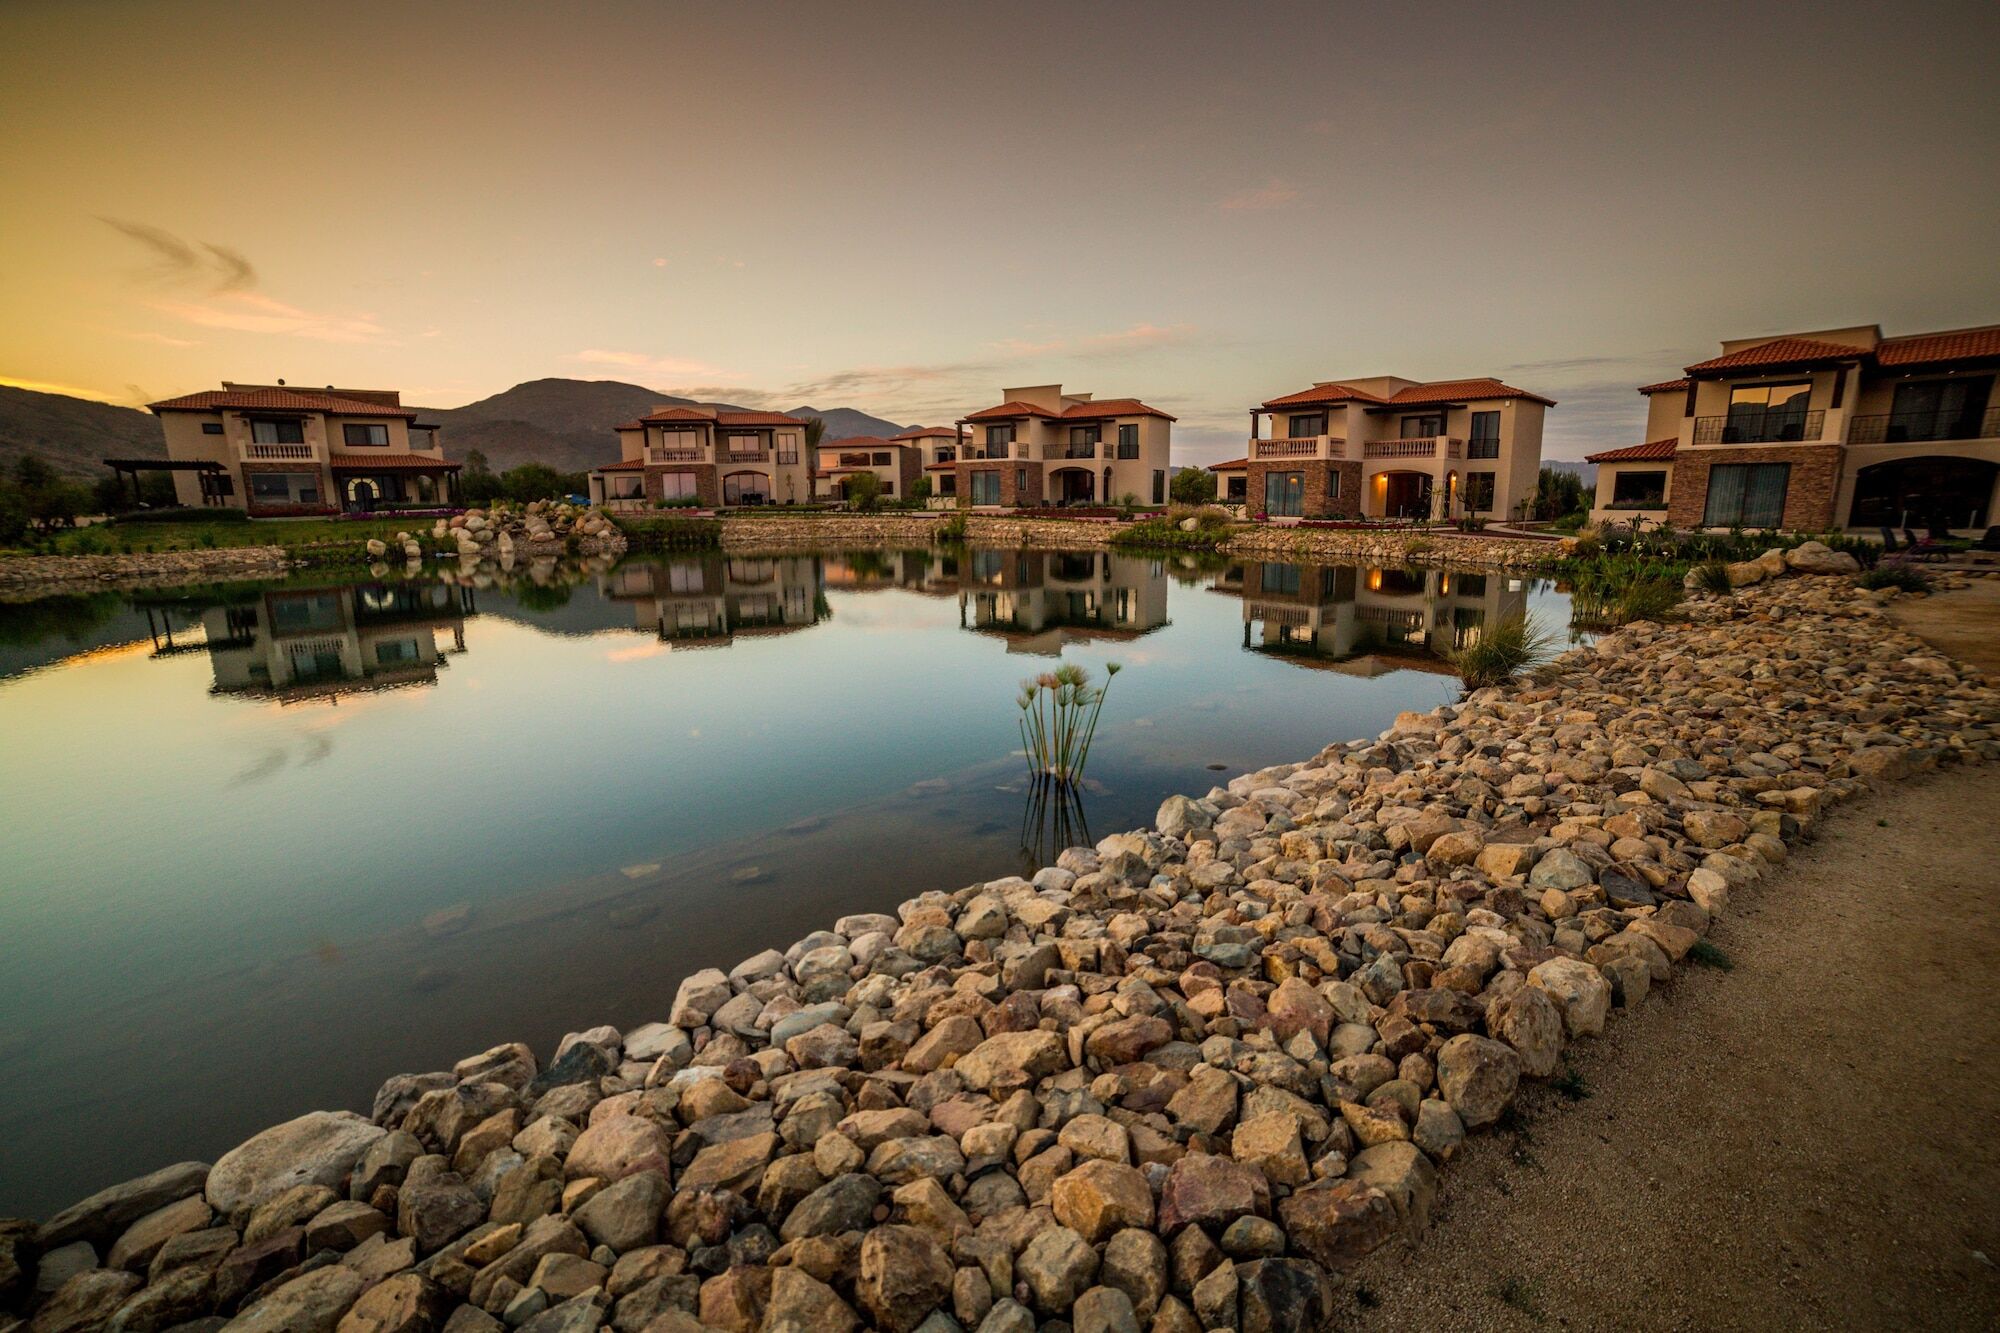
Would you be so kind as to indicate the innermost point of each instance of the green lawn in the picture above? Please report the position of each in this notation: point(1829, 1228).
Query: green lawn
point(292, 534)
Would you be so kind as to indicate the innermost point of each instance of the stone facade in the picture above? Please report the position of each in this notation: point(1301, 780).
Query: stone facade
point(707, 485)
point(1011, 470)
point(1809, 492)
point(1332, 490)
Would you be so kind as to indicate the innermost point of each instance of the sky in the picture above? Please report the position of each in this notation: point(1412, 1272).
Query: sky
point(905, 207)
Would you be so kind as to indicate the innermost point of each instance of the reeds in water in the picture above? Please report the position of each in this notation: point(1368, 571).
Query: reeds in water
point(1059, 711)
point(1507, 647)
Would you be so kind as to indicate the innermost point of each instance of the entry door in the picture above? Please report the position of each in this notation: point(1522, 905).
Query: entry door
point(1284, 494)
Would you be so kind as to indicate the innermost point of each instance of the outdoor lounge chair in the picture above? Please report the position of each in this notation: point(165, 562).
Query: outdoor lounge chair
point(1927, 548)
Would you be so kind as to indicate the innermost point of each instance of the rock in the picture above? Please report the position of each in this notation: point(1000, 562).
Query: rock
point(142, 1240)
point(313, 1303)
point(1280, 1295)
point(1271, 1143)
point(318, 1148)
point(105, 1214)
point(1529, 1021)
point(1817, 558)
point(1401, 1171)
point(85, 1302)
point(620, 1146)
point(904, 1275)
point(1100, 1198)
point(844, 1203)
point(292, 1208)
point(698, 997)
point(405, 1303)
point(1057, 1266)
point(1010, 1060)
point(625, 1215)
point(1578, 990)
point(437, 1210)
point(800, 1303)
point(1560, 869)
point(1135, 1262)
point(1211, 1190)
point(1477, 1076)
point(1104, 1310)
point(1337, 1222)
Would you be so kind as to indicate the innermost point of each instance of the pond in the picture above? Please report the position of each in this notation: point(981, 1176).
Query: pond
point(266, 844)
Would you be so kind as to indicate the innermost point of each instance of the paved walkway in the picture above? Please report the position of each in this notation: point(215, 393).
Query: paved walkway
point(1810, 1140)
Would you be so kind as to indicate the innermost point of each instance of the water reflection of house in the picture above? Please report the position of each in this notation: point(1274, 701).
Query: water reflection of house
point(932, 573)
point(296, 644)
point(708, 599)
point(1040, 600)
point(1367, 621)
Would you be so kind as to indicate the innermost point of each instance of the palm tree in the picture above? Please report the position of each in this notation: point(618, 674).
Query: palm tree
point(815, 432)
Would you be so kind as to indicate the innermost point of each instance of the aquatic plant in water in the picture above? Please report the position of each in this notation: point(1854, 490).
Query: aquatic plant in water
point(1059, 711)
point(1510, 646)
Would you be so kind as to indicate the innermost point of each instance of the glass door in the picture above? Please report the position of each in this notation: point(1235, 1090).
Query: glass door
point(1284, 494)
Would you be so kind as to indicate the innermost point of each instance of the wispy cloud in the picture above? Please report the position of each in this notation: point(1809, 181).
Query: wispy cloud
point(648, 363)
point(182, 264)
point(253, 312)
point(1274, 193)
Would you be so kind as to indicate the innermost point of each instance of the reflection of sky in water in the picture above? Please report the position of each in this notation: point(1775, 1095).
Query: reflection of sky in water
point(207, 890)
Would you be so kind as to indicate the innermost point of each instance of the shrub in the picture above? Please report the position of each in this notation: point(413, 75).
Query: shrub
point(1906, 577)
point(1193, 486)
point(1713, 576)
point(1512, 645)
point(863, 491)
point(1649, 599)
point(952, 529)
point(668, 534)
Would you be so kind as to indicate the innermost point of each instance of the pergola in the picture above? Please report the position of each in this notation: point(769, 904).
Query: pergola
point(209, 469)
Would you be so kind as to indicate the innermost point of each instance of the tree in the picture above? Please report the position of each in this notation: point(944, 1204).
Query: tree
point(476, 484)
point(1193, 486)
point(1557, 492)
point(920, 492)
point(532, 481)
point(863, 491)
point(41, 499)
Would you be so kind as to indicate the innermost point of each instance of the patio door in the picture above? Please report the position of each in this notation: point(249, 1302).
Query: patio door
point(1284, 494)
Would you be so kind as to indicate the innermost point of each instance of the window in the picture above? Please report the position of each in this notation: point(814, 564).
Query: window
point(681, 443)
point(1746, 495)
point(211, 428)
point(1478, 491)
point(285, 488)
point(888, 485)
point(745, 488)
point(1306, 424)
point(1159, 486)
point(880, 460)
point(1284, 494)
point(1083, 441)
point(788, 447)
point(1640, 490)
point(684, 576)
point(947, 453)
point(1423, 426)
point(357, 433)
point(986, 487)
point(1760, 413)
point(676, 485)
point(1332, 484)
point(1128, 441)
point(392, 651)
point(998, 438)
point(853, 460)
point(1282, 579)
point(1020, 485)
point(1938, 410)
point(744, 446)
point(278, 432)
point(626, 488)
point(1237, 487)
point(947, 484)
point(1484, 442)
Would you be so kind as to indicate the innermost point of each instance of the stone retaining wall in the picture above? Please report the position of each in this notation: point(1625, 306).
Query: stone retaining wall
point(24, 577)
point(1396, 546)
point(1180, 1079)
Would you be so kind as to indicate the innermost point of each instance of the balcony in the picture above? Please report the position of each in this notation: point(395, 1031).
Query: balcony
point(1299, 446)
point(1429, 446)
point(673, 455)
point(1918, 427)
point(747, 455)
point(1760, 428)
point(1073, 451)
point(263, 453)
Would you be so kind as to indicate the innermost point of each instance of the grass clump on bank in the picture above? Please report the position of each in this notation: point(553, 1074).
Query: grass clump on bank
point(1513, 645)
point(1211, 530)
point(1908, 578)
point(669, 534)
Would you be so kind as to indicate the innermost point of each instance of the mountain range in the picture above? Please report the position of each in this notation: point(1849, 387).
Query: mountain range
point(564, 423)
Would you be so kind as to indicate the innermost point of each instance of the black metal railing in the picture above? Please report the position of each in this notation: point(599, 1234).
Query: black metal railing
point(1761, 428)
point(1077, 451)
point(1910, 427)
point(1479, 447)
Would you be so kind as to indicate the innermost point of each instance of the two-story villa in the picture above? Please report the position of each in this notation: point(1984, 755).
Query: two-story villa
point(1384, 447)
point(282, 452)
point(896, 463)
point(1041, 446)
point(937, 453)
point(1816, 430)
point(708, 457)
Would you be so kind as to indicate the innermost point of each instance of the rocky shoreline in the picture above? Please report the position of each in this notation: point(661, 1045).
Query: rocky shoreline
point(1177, 1081)
point(26, 577)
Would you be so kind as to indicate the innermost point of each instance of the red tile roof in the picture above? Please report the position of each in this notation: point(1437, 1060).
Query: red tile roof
point(668, 415)
point(1954, 345)
point(1013, 408)
point(1444, 391)
point(1664, 386)
point(1780, 352)
point(1230, 466)
point(1324, 393)
point(623, 465)
point(758, 419)
point(278, 400)
point(394, 462)
point(939, 467)
point(1651, 451)
point(927, 433)
point(1113, 407)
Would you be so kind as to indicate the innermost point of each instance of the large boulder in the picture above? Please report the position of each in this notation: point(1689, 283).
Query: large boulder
point(1578, 990)
point(318, 1148)
point(1478, 1076)
point(105, 1214)
point(313, 1303)
point(1336, 1222)
point(904, 1275)
point(1101, 1198)
point(1011, 1060)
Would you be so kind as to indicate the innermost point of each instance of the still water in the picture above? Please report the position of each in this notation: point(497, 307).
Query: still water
point(262, 845)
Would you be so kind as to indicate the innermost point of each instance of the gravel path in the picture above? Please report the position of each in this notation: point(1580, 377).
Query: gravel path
point(1805, 1141)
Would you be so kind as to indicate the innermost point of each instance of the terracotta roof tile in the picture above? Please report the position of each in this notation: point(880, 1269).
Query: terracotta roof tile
point(278, 400)
point(1324, 393)
point(1955, 345)
point(1014, 408)
point(395, 462)
point(1445, 391)
point(1113, 407)
point(1664, 386)
point(927, 433)
point(622, 465)
point(1229, 466)
point(1651, 451)
point(1780, 352)
point(758, 419)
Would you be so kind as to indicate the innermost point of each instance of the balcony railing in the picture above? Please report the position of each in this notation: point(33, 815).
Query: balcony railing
point(1916, 427)
point(1764, 428)
point(1073, 451)
point(1299, 446)
point(1482, 448)
point(278, 451)
point(673, 455)
point(1430, 446)
point(747, 455)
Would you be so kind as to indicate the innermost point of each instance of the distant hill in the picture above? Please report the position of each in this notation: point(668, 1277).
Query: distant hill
point(568, 423)
point(73, 435)
point(562, 422)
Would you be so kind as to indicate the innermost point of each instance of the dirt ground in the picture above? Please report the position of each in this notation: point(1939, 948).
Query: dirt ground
point(1965, 623)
